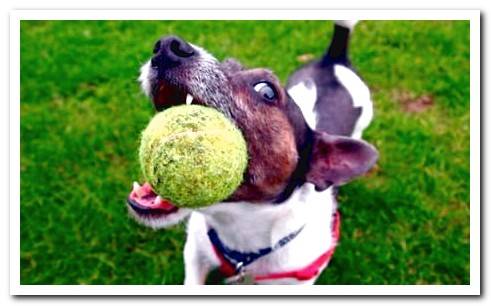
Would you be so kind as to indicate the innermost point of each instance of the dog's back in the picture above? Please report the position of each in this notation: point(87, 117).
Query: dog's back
point(333, 98)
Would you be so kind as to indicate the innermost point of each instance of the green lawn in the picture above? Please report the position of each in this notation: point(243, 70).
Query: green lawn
point(406, 222)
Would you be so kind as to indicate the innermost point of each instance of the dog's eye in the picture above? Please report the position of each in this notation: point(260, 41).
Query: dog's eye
point(266, 90)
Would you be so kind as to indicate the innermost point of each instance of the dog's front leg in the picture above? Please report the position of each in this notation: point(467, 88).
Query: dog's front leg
point(196, 269)
point(198, 256)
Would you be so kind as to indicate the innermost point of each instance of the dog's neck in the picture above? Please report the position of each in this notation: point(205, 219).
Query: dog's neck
point(250, 226)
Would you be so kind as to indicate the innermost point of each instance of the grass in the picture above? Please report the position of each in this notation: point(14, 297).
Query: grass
point(406, 222)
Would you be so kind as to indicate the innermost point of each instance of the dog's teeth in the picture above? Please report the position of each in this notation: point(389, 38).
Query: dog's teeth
point(158, 200)
point(189, 99)
point(138, 190)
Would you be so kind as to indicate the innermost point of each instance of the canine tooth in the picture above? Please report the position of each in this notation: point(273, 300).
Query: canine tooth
point(158, 200)
point(138, 190)
point(189, 99)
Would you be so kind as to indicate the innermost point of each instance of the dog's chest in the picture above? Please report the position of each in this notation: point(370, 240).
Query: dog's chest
point(250, 228)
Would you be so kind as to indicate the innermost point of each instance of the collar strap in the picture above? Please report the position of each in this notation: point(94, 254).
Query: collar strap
point(238, 259)
point(305, 273)
point(315, 267)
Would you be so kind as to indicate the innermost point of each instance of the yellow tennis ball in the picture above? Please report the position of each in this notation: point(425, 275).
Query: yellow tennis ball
point(193, 155)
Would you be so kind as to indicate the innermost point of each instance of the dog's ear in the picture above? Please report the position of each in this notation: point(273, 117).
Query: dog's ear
point(336, 160)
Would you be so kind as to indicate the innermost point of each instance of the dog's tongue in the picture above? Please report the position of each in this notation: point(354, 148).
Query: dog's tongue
point(146, 198)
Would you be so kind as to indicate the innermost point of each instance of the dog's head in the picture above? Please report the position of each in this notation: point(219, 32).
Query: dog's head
point(283, 151)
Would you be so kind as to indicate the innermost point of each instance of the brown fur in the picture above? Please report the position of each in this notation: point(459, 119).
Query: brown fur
point(270, 137)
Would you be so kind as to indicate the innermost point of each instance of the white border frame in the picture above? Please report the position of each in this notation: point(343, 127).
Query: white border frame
point(475, 179)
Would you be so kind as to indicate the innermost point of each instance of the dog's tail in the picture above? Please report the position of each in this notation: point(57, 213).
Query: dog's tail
point(338, 49)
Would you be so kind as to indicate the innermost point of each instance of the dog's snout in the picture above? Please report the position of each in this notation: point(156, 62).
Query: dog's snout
point(171, 50)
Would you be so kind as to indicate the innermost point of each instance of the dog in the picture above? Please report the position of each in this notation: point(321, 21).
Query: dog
point(281, 225)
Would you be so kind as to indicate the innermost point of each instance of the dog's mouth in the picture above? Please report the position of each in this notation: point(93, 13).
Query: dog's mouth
point(166, 95)
point(146, 203)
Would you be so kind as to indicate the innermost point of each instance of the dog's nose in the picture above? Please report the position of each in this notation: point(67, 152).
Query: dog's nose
point(171, 50)
point(175, 46)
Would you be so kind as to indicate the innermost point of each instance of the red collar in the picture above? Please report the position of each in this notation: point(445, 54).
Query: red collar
point(303, 274)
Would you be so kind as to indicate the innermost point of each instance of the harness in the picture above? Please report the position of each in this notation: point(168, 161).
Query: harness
point(233, 262)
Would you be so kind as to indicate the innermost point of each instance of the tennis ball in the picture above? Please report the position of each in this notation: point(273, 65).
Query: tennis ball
point(192, 155)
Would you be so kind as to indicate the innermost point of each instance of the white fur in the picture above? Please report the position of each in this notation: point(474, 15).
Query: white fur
point(361, 97)
point(164, 221)
point(145, 78)
point(305, 95)
point(250, 226)
point(199, 257)
point(350, 24)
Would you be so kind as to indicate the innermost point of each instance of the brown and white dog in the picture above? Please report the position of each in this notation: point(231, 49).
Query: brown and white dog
point(281, 224)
